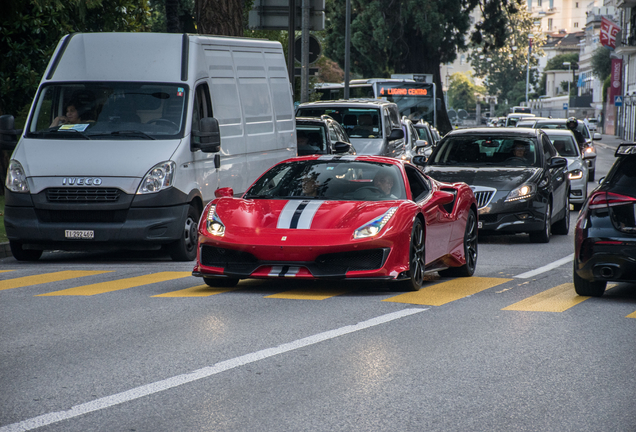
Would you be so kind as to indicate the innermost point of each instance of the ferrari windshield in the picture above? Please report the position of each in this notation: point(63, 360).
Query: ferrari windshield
point(330, 180)
point(486, 151)
point(112, 110)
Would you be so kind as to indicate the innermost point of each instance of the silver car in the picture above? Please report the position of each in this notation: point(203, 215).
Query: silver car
point(565, 144)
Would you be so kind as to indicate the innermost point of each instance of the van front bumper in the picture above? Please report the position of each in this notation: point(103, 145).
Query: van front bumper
point(112, 227)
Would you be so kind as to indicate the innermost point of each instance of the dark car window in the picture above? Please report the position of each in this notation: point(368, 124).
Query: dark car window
point(565, 146)
point(482, 150)
point(418, 183)
point(311, 139)
point(358, 122)
point(548, 150)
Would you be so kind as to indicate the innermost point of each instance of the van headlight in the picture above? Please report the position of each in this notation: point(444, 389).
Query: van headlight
point(159, 177)
point(575, 174)
point(213, 223)
point(16, 178)
point(522, 192)
point(374, 226)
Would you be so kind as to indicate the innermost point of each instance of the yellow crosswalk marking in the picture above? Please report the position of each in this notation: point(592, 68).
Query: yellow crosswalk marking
point(557, 299)
point(631, 315)
point(120, 284)
point(197, 291)
point(448, 291)
point(5, 271)
point(45, 278)
point(307, 294)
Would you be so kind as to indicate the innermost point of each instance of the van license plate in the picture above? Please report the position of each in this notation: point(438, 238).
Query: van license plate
point(479, 225)
point(79, 234)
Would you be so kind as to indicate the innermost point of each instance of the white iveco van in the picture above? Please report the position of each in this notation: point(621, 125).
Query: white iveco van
point(130, 134)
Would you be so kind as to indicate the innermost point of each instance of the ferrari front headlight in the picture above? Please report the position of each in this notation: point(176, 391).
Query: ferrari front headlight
point(214, 224)
point(374, 226)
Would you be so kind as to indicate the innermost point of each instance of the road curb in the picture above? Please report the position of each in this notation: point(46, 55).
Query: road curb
point(5, 250)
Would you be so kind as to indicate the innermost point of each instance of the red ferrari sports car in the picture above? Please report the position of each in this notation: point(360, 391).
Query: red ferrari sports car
point(339, 217)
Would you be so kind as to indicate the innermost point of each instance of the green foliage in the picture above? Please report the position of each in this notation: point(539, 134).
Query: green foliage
point(31, 29)
point(504, 68)
point(601, 63)
point(556, 63)
point(462, 92)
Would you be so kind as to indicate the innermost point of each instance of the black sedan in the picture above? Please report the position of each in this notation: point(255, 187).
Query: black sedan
point(605, 233)
point(520, 183)
point(322, 135)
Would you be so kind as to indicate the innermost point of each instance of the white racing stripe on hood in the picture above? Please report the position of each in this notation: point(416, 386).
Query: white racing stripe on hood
point(298, 214)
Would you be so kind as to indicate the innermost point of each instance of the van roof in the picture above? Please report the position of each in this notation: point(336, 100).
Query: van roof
point(158, 57)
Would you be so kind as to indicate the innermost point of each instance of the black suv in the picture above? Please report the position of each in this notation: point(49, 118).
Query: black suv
point(321, 135)
point(605, 233)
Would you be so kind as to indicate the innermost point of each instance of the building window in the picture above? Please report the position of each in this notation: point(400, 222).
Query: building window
point(549, 24)
point(576, 25)
point(576, 5)
point(539, 2)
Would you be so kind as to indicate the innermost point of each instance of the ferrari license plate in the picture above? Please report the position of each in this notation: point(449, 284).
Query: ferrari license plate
point(79, 234)
point(479, 224)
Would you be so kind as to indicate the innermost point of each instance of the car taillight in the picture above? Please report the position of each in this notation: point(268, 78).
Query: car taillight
point(608, 199)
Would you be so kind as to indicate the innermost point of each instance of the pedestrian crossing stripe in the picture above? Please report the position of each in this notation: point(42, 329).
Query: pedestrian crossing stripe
point(631, 315)
point(446, 292)
point(197, 291)
point(557, 299)
point(46, 278)
point(119, 284)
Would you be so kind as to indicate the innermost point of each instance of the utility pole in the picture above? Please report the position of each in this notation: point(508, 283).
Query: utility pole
point(530, 36)
point(347, 49)
point(304, 67)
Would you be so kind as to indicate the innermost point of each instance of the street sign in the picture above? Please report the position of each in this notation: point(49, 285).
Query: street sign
point(565, 105)
point(314, 49)
point(618, 101)
point(274, 15)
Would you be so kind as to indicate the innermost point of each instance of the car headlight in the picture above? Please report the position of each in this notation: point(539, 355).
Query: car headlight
point(590, 149)
point(214, 224)
point(16, 178)
point(159, 177)
point(575, 174)
point(522, 192)
point(374, 226)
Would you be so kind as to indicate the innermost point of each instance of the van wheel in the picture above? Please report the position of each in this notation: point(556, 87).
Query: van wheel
point(24, 254)
point(185, 249)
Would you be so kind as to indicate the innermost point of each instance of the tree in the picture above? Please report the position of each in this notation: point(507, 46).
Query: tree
point(220, 17)
point(601, 63)
point(412, 36)
point(462, 92)
point(556, 63)
point(504, 68)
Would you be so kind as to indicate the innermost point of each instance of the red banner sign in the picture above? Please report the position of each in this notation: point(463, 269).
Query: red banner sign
point(608, 33)
point(616, 78)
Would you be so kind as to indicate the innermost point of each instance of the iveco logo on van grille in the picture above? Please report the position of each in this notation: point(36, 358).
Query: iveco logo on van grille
point(81, 181)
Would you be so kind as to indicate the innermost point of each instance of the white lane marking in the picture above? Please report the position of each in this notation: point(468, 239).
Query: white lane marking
point(156, 387)
point(545, 268)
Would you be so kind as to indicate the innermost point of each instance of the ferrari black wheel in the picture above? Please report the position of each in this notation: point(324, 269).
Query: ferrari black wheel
point(470, 251)
point(417, 262)
point(221, 282)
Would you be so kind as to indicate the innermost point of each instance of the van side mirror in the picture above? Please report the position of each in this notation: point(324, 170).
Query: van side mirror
point(209, 134)
point(8, 135)
point(396, 134)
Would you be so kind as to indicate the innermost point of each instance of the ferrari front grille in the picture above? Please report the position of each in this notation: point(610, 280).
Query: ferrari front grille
point(220, 257)
point(369, 259)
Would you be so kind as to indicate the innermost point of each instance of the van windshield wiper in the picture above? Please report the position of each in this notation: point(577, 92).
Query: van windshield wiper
point(132, 133)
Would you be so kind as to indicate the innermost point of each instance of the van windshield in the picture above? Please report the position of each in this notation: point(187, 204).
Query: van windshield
point(113, 110)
